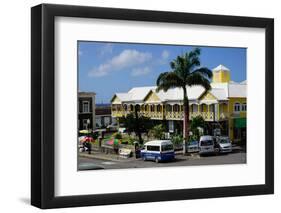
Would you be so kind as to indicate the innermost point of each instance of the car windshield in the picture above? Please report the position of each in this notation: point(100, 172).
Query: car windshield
point(207, 143)
point(167, 147)
point(193, 143)
point(224, 141)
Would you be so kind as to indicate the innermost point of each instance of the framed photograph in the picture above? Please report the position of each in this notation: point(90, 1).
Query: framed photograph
point(134, 106)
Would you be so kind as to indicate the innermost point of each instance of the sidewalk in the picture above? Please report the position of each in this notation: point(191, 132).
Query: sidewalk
point(104, 156)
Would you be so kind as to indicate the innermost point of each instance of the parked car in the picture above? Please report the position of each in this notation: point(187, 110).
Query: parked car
point(158, 150)
point(112, 128)
point(225, 144)
point(193, 146)
point(207, 145)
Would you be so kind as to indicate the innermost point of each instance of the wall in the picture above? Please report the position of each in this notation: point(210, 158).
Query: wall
point(15, 81)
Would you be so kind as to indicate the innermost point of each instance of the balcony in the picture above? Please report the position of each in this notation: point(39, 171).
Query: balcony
point(208, 116)
point(118, 113)
point(223, 116)
point(153, 115)
point(174, 115)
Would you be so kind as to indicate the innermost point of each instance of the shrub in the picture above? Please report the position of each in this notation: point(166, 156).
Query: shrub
point(95, 135)
point(117, 135)
point(177, 139)
point(157, 131)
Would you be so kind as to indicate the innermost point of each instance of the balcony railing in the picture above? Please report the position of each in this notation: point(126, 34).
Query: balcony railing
point(223, 115)
point(152, 115)
point(174, 115)
point(118, 113)
point(208, 116)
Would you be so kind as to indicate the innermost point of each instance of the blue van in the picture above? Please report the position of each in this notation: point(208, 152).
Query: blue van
point(158, 150)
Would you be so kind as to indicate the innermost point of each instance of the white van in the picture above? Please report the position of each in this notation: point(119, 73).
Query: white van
point(158, 150)
point(207, 145)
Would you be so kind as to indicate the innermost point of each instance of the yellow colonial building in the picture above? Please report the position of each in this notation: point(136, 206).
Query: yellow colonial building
point(223, 107)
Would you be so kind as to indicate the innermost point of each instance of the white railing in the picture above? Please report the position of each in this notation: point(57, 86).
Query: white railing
point(208, 116)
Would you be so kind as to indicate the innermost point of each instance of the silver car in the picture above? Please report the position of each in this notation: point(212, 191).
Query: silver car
point(193, 146)
point(225, 145)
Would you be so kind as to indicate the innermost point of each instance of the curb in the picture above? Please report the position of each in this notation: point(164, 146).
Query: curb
point(102, 158)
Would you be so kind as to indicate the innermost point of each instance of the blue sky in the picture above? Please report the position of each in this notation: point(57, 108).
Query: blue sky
point(107, 68)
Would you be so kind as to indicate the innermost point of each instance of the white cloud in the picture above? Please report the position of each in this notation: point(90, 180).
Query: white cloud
point(165, 54)
point(106, 49)
point(140, 71)
point(126, 59)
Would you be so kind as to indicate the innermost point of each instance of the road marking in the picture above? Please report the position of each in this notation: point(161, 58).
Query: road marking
point(108, 163)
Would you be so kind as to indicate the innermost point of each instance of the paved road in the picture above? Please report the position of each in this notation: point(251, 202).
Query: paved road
point(231, 158)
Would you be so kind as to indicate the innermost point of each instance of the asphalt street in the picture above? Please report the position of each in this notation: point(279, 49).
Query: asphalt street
point(231, 158)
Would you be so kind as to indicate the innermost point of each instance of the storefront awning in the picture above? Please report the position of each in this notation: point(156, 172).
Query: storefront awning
point(240, 122)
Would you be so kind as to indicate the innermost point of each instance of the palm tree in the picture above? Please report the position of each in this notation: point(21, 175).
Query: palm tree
point(185, 71)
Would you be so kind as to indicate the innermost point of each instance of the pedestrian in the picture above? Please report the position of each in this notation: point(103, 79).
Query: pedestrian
point(89, 147)
point(137, 150)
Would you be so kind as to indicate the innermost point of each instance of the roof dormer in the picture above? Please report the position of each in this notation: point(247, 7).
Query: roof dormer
point(221, 74)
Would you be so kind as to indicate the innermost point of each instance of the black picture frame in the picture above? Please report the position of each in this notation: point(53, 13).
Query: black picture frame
point(43, 117)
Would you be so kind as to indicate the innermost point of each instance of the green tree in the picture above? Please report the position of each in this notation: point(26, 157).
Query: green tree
point(177, 139)
point(185, 71)
point(197, 122)
point(158, 131)
point(134, 122)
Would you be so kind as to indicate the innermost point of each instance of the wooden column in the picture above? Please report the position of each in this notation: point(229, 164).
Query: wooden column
point(218, 112)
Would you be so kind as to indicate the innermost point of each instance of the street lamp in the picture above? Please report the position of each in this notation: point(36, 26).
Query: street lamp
point(89, 142)
point(88, 124)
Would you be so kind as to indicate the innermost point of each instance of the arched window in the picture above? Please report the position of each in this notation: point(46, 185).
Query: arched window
point(237, 107)
point(212, 108)
point(203, 107)
point(152, 108)
point(194, 108)
point(176, 108)
point(146, 107)
point(158, 108)
point(137, 107)
point(244, 107)
point(168, 108)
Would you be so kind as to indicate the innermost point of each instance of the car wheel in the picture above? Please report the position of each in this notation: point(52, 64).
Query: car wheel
point(157, 160)
point(217, 151)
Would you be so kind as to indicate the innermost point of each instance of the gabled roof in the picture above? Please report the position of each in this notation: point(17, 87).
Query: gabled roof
point(139, 93)
point(222, 91)
point(219, 93)
point(221, 67)
point(176, 94)
point(122, 96)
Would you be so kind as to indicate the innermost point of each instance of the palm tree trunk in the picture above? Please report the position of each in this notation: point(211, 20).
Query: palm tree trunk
point(137, 125)
point(185, 120)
